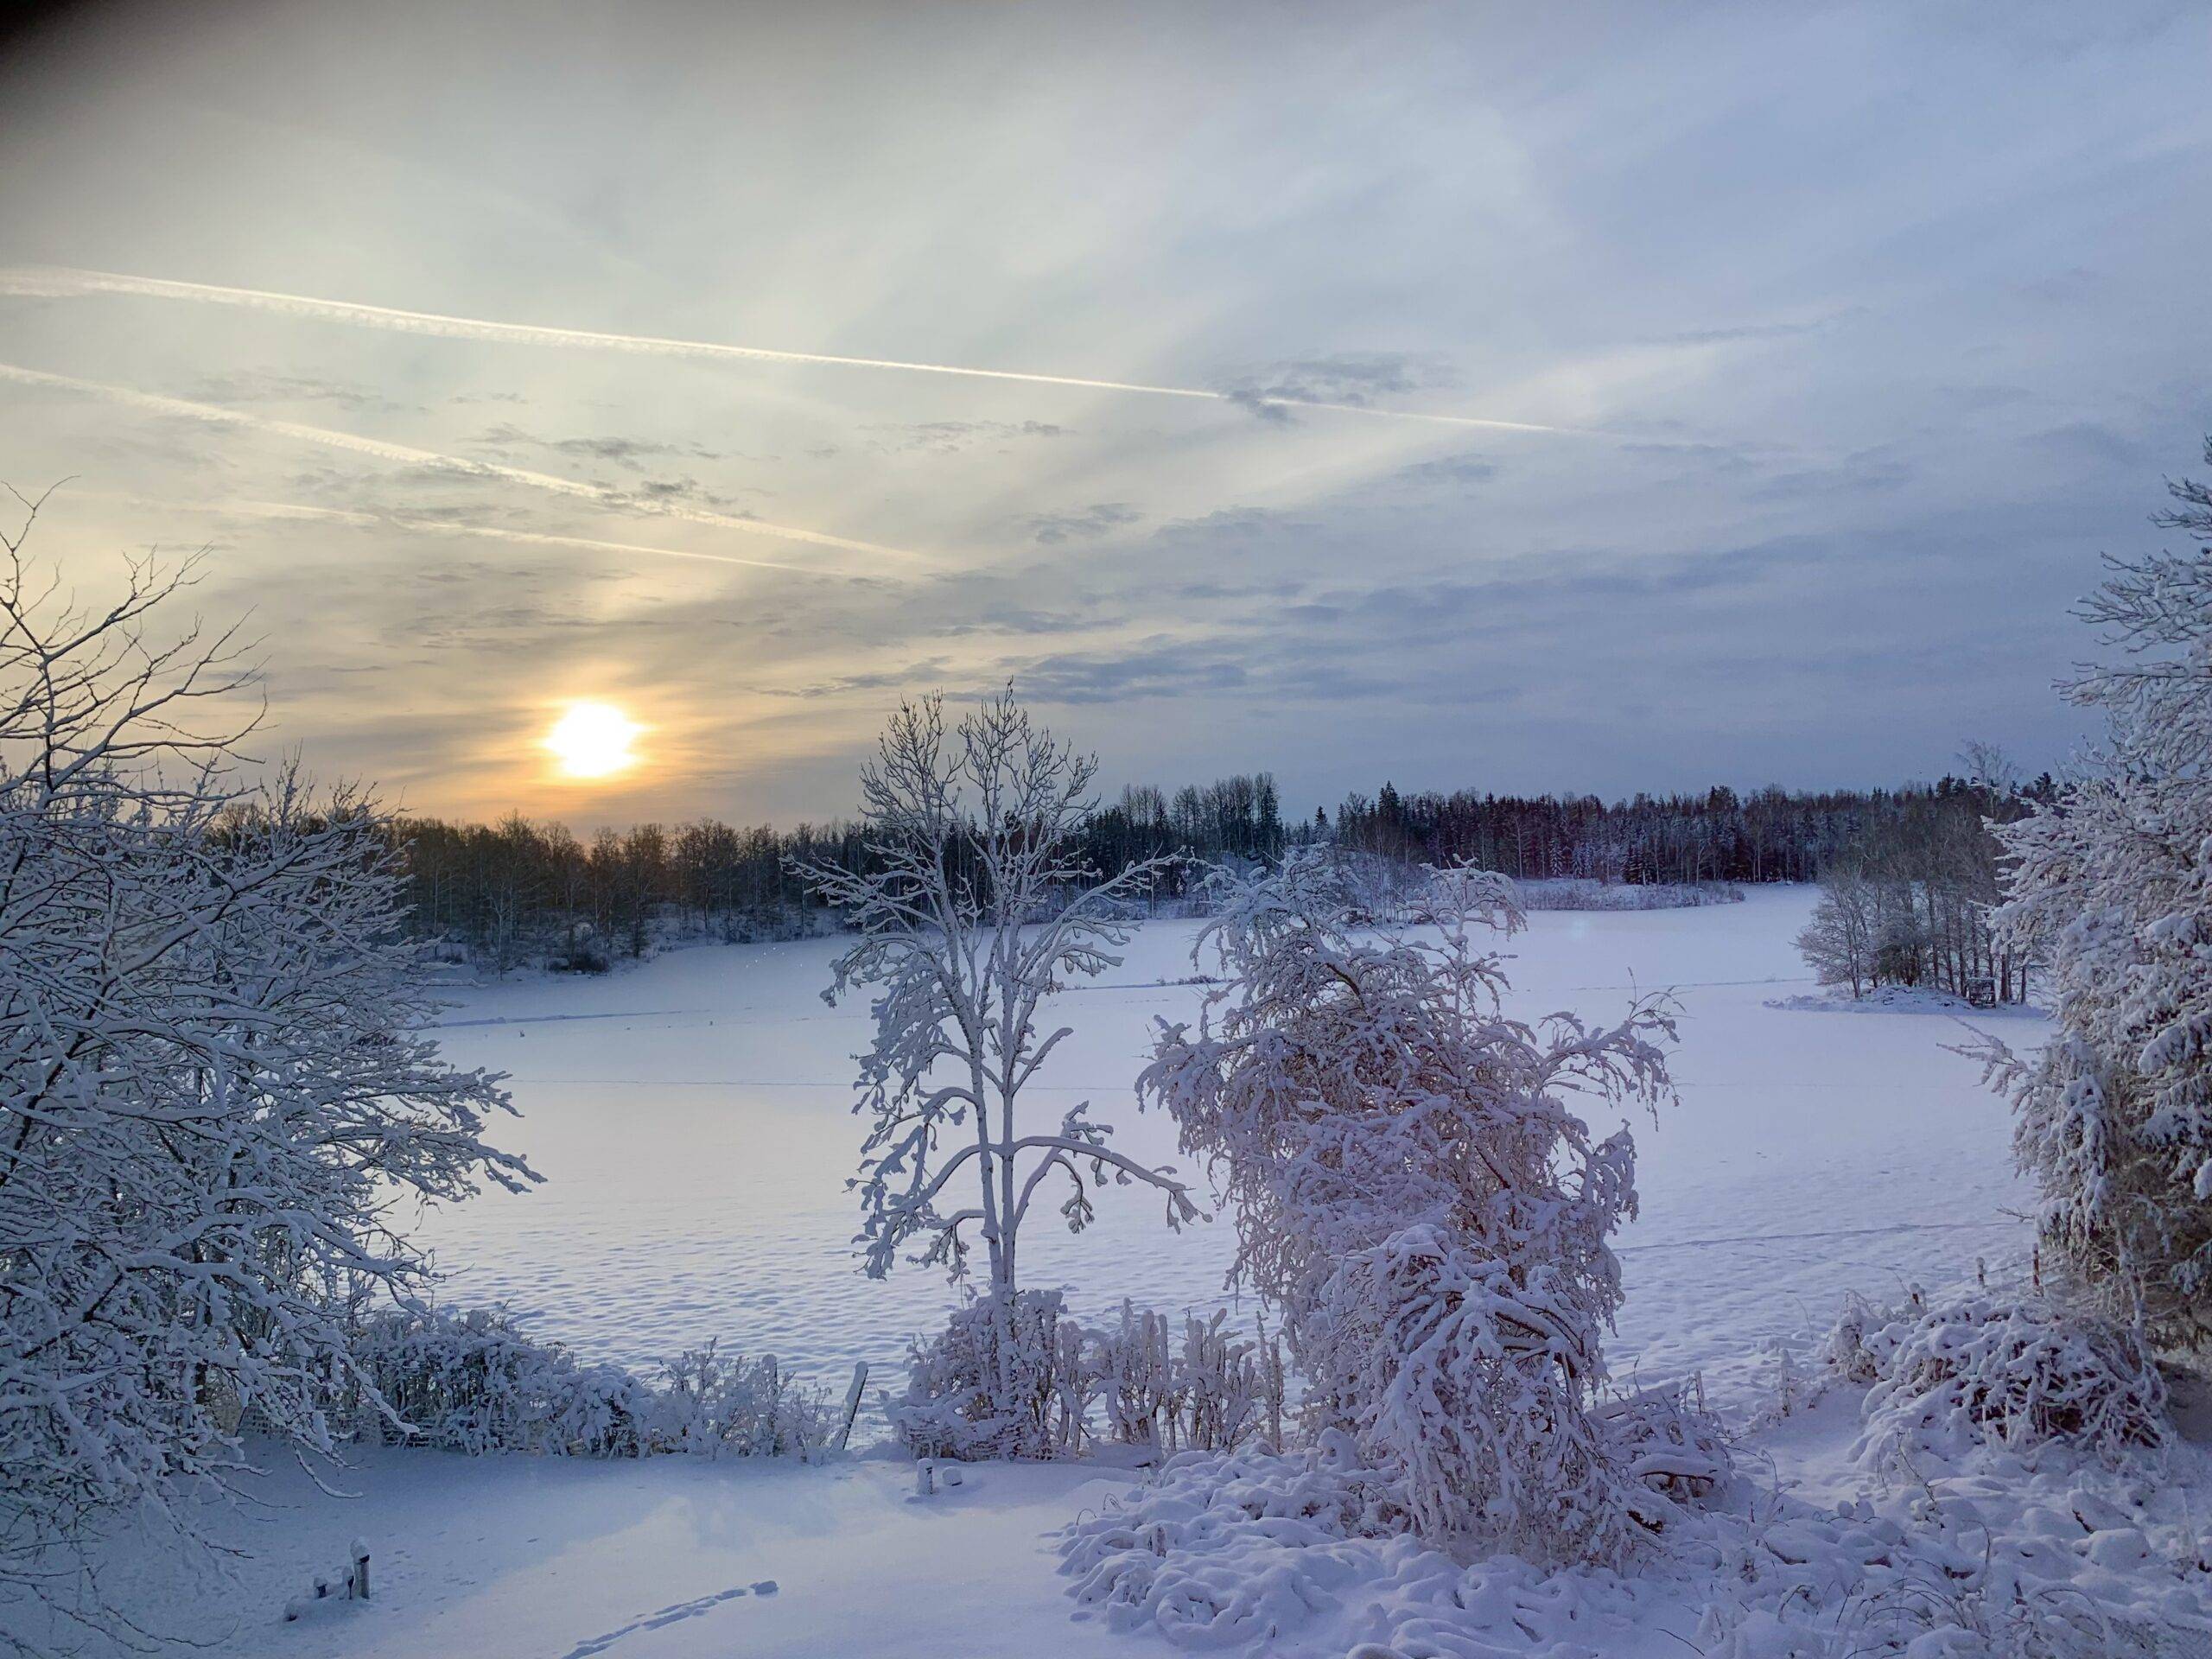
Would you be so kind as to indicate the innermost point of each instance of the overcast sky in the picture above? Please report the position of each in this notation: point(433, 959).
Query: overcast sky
point(1851, 338)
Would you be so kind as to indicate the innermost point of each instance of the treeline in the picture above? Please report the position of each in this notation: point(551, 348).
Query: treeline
point(1907, 900)
point(1771, 835)
point(518, 891)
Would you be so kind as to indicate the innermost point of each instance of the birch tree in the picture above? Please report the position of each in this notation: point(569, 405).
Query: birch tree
point(975, 904)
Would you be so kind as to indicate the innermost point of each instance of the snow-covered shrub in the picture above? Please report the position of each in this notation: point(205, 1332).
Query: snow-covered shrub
point(712, 1405)
point(2111, 887)
point(1209, 1391)
point(1006, 1379)
point(2011, 1374)
point(1662, 1439)
point(1308, 1556)
point(1413, 1193)
point(468, 1381)
point(1860, 1344)
point(1232, 1390)
point(1130, 1366)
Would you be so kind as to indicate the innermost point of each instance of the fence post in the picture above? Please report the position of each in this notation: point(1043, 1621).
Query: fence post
point(852, 1404)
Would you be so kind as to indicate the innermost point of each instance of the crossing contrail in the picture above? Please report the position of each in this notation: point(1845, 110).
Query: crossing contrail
point(599, 495)
point(415, 525)
point(48, 281)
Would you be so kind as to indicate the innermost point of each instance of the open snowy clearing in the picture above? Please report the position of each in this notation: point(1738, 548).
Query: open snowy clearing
point(691, 1117)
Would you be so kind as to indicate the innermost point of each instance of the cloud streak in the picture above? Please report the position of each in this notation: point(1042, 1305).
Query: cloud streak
point(415, 523)
point(598, 495)
point(42, 282)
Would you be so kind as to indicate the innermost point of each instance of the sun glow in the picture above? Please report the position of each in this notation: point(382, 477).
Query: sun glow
point(592, 741)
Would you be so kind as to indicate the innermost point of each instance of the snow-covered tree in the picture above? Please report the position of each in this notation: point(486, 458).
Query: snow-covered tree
point(974, 904)
point(2111, 887)
point(214, 1085)
point(1414, 1193)
point(1841, 942)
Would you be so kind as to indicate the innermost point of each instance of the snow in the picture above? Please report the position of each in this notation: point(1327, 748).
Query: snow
point(691, 1116)
point(695, 1161)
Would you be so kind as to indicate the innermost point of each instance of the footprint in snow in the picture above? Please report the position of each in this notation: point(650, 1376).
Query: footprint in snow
point(674, 1614)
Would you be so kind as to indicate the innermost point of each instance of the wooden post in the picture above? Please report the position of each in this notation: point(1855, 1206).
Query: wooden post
point(852, 1404)
point(357, 1581)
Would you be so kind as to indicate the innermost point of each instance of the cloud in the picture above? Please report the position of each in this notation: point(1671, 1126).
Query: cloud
point(1343, 380)
point(1052, 529)
point(261, 386)
point(949, 437)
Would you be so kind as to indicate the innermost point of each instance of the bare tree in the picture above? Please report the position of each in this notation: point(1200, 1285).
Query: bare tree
point(1839, 943)
point(974, 904)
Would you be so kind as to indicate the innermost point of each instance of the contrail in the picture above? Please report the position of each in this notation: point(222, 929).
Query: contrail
point(45, 281)
point(597, 494)
point(444, 527)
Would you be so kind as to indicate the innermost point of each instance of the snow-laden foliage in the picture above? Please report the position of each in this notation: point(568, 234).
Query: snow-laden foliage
point(1310, 1556)
point(976, 903)
point(1019, 1379)
point(1413, 1192)
point(214, 1080)
point(470, 1382)
point(2014, 1374)
point(1206, 1390)
point(1005, 1378)
point(2111, 888)
point(1665, 1442)
point(1858, 1346)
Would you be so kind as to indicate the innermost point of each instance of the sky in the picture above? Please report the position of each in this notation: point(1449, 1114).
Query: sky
point(1716, 393)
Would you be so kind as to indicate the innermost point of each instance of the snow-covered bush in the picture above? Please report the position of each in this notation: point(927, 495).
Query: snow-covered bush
point(1209, 1391)
point(2014, 1374)
point(1662, 1439)
point(1136, 1381)
point(470, 1382)
point(2111, 887)
point(1413, 1193)
point(1006, 1379)
point(1860, 1344)
point(712, 1405)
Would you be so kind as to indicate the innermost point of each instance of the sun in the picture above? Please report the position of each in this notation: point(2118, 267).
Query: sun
point(592, 741)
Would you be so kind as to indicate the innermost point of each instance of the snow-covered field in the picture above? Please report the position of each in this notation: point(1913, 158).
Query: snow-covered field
point(691, 1118)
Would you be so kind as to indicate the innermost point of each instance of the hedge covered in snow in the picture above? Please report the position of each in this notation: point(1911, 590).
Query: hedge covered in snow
point(470, 1382)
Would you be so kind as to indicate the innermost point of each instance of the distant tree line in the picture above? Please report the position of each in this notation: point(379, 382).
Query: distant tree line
point(1908, 900)
point(518, 890)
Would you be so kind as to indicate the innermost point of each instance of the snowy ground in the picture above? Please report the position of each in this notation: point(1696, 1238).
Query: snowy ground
point(691, 1117)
